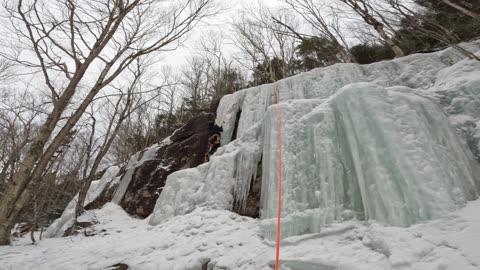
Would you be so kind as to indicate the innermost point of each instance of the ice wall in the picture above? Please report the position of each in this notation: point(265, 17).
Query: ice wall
point(369, 152)
point(457, 88)
point(418, 71)
point(342, 149)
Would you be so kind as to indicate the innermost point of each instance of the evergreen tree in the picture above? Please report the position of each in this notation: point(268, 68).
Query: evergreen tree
point(229, 81)
point(269, 71)
point(366, 53)
point(317, 52)
point(465, 27)
point(461, 26)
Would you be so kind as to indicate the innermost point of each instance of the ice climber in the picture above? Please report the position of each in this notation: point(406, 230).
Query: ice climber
point(213, 139)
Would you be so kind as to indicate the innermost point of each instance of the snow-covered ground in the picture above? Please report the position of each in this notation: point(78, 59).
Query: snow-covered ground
point(229, 241)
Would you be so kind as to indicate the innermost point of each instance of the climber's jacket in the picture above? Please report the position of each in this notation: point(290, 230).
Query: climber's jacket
point(214, 139)
point(214, 136)
point(214, 129)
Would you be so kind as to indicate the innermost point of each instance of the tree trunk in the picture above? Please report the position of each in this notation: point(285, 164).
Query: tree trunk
point(35, 222)
point(461, 9)
point(4, 234)
point(398, 52)
point(362, 8)
point(16, 196)
point(82, 195)
point(19, 192)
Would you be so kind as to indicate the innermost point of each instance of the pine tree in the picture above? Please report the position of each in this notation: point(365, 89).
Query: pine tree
point(463, 26)
point(317, 52)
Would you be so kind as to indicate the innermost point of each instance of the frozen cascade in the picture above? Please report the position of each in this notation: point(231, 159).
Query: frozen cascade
point(418, 71)
point(369, 153)
point(332, 171)
point(458, 90)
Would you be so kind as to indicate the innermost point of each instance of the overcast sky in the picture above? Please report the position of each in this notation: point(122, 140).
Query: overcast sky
point(218, 23)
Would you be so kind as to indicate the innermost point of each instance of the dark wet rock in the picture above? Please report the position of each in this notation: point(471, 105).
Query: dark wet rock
point(118, 266)
point(103, 198)
point(186, 149)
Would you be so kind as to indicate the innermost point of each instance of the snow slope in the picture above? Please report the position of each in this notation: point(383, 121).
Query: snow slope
point(367, 142)
point(229, 241)
point(109, 179)
point(58, 228)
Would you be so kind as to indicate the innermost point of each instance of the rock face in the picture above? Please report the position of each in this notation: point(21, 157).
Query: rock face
point(186, 148)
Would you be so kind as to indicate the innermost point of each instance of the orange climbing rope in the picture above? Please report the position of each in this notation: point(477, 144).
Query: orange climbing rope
point(279, 210)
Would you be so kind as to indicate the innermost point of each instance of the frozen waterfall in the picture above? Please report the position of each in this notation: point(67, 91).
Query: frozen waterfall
point(365, 142)
point(369, 153)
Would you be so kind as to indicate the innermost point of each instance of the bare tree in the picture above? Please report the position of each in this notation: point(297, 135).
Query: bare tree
point(169, 103)
point(118, 116)
point(5, 68)
point(139, 129)
point(314, 12)
point(209, 75)
point(72, 41)
point(423, 26)
point(18, 112)
point(261, 40)
point(194, 84)
point(222, 75)
point(366, 11)
point(461, 9)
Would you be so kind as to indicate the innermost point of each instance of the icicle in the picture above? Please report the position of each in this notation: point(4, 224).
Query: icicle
point(246, 167)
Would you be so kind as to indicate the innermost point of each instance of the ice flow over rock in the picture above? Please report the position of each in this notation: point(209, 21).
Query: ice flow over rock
point(359, 142)
point(368, 152)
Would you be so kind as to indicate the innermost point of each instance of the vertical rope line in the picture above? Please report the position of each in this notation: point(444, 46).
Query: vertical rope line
point(279, 200)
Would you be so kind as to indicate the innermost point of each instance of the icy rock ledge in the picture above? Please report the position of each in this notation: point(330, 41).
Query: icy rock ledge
point(216, 184)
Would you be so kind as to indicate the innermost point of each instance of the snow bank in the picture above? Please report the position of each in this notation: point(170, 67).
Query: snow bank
point(228, 241)
point(59, 226)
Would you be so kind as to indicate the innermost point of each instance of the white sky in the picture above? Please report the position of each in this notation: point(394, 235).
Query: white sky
point(221, 23)
point(218, 23)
